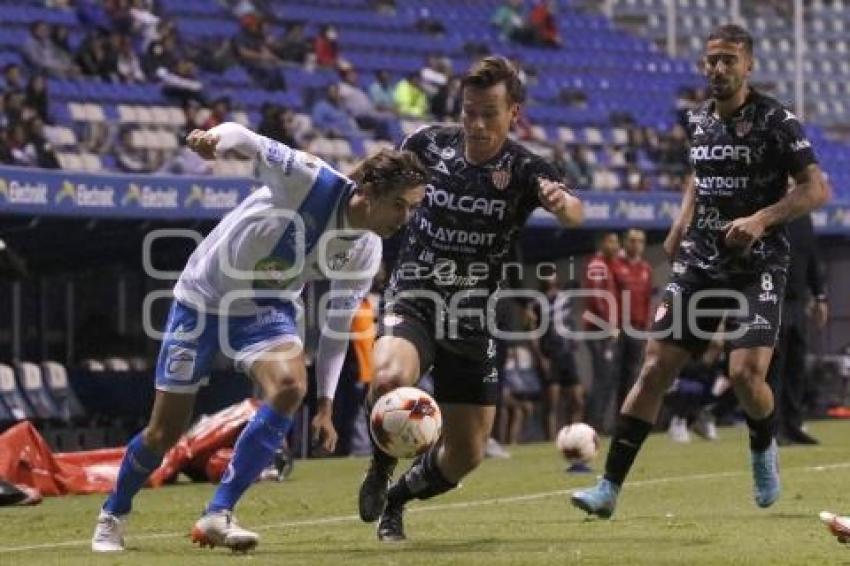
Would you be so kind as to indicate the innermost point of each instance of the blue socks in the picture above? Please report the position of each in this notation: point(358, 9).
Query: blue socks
point(138, 464)
point(254, 450)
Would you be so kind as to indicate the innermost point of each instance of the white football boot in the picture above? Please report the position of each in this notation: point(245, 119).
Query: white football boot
point(220, 529)
point(108, 533)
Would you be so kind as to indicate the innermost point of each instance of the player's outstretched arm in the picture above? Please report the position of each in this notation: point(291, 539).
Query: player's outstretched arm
point(225, 137)
point(680, 225)
point(810, 192)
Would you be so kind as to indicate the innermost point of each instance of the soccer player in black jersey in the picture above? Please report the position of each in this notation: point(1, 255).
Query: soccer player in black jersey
point(482, 189)
point(730, 241)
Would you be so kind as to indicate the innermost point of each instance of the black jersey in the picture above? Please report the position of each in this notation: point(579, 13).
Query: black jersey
point(459, 238)
point(740, 165)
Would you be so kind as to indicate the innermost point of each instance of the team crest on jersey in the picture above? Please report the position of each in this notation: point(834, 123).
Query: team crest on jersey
point(743, 127)
point(501, 178)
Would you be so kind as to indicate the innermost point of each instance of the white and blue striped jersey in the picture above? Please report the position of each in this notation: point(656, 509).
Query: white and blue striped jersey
point(291, 230)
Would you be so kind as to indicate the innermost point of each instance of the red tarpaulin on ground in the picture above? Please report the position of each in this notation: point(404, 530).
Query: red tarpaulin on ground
point(26, 459)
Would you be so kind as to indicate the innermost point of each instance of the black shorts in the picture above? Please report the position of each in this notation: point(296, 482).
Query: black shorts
point(564, 371)
point(463, 370)
point(758, 298)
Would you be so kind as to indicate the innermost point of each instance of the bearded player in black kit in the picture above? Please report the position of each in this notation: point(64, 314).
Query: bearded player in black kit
point(483, 187)
point(730, 239)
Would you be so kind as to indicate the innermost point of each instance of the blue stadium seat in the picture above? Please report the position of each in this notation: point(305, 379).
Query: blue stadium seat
point(68, 406)
point(36, 393)
point(11, 395)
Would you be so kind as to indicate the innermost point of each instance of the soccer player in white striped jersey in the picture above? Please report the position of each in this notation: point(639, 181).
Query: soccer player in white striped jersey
point(239, 294)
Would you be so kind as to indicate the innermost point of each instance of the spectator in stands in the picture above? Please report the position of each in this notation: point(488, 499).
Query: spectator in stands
point(96, 58)
point(326, 48)
point(13, 78)
point(333, 121)
point(130, 158)
point(542, 20)
point(381, 92)
point(186, 162)
point(254, 52)
point(129, 67)
point(219, 113)
point(22, 151)
point(181, 81)
point(145, 24)
point(120, 18)
point(276, 123)
point(60, 36)
point(672, 151)
point(409, 97)
point(293, 47)
point(435, 74)
point(17, 110)
point(635, 180)
point(37, 96)
point(446, 104)
point(5, 151)
point(190, 117)
point(157, 57)
point(509, 19)
point(45, 157)
point(357, 103)
point(41, 53)
point(427, 23)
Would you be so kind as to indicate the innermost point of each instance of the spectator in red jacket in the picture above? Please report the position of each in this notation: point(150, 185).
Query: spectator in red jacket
point(602, 316)
point(541, 19)
point(326, 47)
point(635, 276)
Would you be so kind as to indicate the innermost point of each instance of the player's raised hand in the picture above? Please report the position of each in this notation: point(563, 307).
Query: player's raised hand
point(744, 232)
point(552, 195)
point(203, 143)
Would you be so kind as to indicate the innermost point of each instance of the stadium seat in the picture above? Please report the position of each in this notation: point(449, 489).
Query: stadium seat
point(91, 162)
point(116, 364)
point(92, 365)
point(11, 396)
point(70, 161)
point(56, 379)
point(34, 390)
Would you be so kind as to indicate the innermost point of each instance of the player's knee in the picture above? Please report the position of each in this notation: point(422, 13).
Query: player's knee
point(465, 455)
point(746, 375)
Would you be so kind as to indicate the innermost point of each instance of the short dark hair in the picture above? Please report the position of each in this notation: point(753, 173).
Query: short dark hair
point(390, 170)
point(733, 33)
point(493, 70)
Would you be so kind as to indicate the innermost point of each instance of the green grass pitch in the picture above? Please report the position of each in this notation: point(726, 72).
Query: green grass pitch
point(685, 504)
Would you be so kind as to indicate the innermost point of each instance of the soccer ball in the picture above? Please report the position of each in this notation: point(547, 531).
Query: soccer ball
point(578, 442)
point(405, 422)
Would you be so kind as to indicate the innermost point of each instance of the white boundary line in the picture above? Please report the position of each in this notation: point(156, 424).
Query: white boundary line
point(427, 508)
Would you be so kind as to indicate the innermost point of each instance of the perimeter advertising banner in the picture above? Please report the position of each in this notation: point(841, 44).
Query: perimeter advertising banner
point(39, 192)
